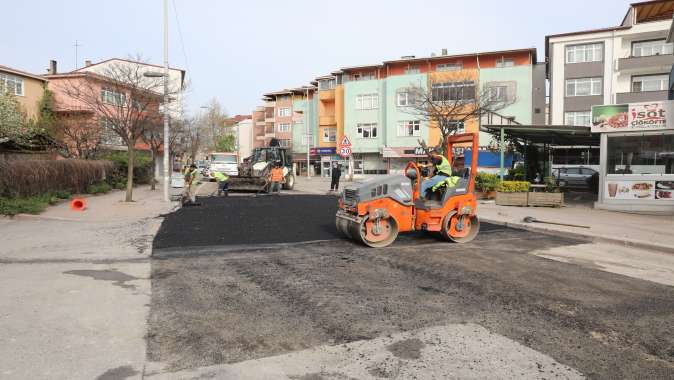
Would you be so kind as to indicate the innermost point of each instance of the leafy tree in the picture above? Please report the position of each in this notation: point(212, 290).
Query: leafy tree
point(226, 143)
point(13, 123)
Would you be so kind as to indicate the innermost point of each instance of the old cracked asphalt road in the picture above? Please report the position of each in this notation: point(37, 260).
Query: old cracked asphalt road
point(218, 305)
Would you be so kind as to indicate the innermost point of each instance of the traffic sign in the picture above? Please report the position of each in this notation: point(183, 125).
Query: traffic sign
point(345, 151)
point(345, 141)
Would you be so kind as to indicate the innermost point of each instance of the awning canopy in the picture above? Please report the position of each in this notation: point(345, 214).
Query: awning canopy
point(546, 134)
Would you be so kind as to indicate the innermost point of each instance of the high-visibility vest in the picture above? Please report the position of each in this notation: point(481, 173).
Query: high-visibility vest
point(449, 182)
point(277, 175)
point(220, 177)
point(444, 167)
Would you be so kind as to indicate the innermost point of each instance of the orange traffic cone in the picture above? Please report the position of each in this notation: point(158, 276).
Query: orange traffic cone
point(78, 204)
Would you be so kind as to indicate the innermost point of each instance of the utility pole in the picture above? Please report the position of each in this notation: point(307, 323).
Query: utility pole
point(306, 129)
point(166, 106)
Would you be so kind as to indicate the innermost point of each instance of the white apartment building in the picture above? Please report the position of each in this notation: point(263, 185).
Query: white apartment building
point(623, 64)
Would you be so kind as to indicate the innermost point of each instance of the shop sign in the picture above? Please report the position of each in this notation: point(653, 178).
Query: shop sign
point(645, 116)
point(322, 151)
point(639, 190)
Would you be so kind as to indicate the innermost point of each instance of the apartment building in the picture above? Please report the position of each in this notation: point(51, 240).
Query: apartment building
point(371, 105)
point(627, 63)
point(27, 88)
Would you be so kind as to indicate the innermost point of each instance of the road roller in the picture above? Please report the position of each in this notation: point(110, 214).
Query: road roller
point(374, 212)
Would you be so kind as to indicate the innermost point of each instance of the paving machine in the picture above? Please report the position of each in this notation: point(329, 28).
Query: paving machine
point(253, 172)
point(374, 212)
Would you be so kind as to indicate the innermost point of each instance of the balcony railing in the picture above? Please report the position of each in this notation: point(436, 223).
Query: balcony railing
point(644, 96)
point(326, 95)
point(664, 61)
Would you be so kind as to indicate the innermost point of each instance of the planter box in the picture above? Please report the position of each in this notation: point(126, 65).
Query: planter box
point(512, 199)
point(546, 199)
point(486, 194)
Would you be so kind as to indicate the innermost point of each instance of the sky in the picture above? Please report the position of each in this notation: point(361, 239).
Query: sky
point(235, 51)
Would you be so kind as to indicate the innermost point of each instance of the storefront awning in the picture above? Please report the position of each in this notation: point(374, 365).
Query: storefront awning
point(546, 134)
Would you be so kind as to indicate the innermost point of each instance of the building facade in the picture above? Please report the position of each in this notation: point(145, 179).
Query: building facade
point(628, 63)
point(27, 88)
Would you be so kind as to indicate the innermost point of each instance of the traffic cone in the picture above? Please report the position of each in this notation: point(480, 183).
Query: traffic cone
point(78, 204)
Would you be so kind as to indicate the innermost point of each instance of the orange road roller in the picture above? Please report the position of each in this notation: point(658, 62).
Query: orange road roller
point(375, 211)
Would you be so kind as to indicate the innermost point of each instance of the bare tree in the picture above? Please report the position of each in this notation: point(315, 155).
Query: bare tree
point(212, 124)
point(448, 106)
point(153, 136)
point(124, 102)
point(192, 138)
point(78, 136)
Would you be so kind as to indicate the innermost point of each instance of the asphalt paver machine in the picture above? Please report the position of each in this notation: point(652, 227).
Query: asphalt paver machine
point(375, 211)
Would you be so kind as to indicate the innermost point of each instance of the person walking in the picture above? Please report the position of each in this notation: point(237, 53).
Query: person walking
point(336, 174)
point(443, 169)
point(223, 183)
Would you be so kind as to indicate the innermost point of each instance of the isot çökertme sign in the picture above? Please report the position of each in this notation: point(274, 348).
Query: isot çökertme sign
point(644, 116)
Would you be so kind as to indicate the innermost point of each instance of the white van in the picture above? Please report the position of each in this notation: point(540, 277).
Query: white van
point(223, 162)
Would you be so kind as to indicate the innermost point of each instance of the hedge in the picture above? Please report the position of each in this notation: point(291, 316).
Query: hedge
point(486, 181)
point(38, 177)
point(513, 187)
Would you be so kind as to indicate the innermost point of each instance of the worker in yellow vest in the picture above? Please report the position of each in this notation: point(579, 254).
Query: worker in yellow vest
point(443, 169)
point(223, 183)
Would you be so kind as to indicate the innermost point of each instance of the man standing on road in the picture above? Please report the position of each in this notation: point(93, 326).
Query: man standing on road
point(223, 185)
point(191, 183)
point(276, 179)
point(336, 173)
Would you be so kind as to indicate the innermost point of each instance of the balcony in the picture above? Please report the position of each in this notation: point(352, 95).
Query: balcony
point(326, 120)
point(326, 95)
point(644, 96)
point(634, 64)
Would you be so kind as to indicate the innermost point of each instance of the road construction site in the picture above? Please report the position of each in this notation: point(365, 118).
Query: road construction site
point(244, 285)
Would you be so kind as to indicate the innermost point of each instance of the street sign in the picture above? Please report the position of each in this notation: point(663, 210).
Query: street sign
point(345, 142)
point(345, 151)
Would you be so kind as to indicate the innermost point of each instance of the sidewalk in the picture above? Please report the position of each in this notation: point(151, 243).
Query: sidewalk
point(76, 288)
point(635, 230)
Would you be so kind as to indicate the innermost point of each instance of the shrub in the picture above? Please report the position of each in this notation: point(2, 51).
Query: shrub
point(513, 187)
point(142, 167)
point(26, 178)
point(62, 194)
point(486, 182)
point(551, 185)
point(518, 173)
point(25, 205)
point(99, 188)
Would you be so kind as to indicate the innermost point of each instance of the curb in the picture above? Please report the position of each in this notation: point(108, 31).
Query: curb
point(587, 237)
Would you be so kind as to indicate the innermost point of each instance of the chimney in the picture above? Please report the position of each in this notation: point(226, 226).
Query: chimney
point(52, 67)
point(444, 51)
point(87, 63)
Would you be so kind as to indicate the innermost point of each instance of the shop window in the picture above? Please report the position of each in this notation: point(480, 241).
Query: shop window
point(647, 154)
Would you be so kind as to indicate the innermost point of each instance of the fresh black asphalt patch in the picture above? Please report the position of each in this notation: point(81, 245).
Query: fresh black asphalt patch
point(250, 220)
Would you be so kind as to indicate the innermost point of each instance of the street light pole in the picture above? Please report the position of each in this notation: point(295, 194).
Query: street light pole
point(306, 129)
point(166, 103)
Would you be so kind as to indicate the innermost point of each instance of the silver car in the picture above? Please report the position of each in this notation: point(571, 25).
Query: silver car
point(578, 177)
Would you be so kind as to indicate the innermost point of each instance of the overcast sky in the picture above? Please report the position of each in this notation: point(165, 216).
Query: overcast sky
point(237, 50)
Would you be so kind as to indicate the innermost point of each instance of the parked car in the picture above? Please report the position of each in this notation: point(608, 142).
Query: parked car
point(578, 177)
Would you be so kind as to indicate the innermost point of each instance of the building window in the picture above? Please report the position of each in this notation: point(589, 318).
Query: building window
point(458, 125)
point(329, 134)
point(644, 83)
point(412, 70)
point(449, 66)
point(648, 48)
point(498, 93)
point(326, 84)
point(363, 76)
point(108, 134)
point(582, 118)
point(584, 53)
point(284, 143)
point(11, 84)
point(505, 62)
point(367, 131)
point(410, 128)
point(283, 127)
point(453, 91)
point(647, 154)
point(284, 112)
point(405, 98)
point(113, 97)
point(583, 87)
point(367, 102)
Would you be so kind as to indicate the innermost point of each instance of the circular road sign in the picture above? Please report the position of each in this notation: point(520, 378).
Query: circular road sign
point(345, 151)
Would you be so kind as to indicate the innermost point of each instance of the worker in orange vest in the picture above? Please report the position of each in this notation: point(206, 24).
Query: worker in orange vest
point(276, 179)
